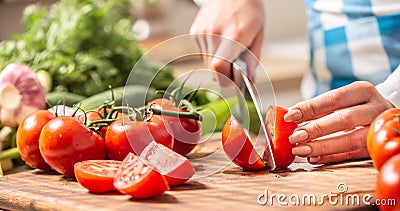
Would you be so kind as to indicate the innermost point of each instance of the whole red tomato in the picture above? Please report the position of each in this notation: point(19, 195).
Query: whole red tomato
point(383, 139)
point(27, 138)
point(96, 175)
point(124, 136)
point(388, 185)
point(137, 179)
point(238, 147)
point(185, 131)
point(278, 132)
point(65, 141)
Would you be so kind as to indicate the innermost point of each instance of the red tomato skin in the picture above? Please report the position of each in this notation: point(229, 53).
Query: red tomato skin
point(27, 138)
point(159, 131)
point(383, 139)
point(175, 167)
point(96, 175)
point(186, 132)
point(388, 184)
point(124, 136)
point(138, 180)
point(65, 141)
point(278, 133)
point(180, 175)
point(238, 146)
point(378, 123)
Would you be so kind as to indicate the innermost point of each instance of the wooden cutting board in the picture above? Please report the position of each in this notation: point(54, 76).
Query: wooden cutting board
point(217, 185)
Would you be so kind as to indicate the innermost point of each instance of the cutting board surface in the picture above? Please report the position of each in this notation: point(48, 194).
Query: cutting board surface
point(228, 188)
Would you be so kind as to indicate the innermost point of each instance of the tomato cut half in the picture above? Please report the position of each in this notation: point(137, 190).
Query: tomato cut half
point(238, 146)
point(278, 131)
point(139, 180)
point(96, 175)
point(176, 168)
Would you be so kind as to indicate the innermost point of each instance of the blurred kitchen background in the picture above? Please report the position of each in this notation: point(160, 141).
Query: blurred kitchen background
point(285, 50)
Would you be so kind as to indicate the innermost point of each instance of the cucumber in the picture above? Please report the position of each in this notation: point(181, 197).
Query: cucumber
point(136, 95)
point(215, 114)
point(60, 97)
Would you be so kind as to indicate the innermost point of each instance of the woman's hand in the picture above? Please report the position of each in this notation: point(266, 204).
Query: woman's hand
point(238, 20)
point(344, 114)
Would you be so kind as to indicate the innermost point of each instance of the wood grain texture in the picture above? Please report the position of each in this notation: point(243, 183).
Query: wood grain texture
point(228, 188)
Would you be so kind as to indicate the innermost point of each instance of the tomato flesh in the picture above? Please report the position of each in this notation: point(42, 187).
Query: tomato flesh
point(137, 179)
point(238, 146)
point(27, 138)
point(388, 184)
point(96, 175)
point(278, 131)
point(65, 141)
point(176, 168)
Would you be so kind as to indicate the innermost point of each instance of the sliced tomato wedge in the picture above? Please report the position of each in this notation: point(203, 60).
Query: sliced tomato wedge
point(238, 147)
point(278, 132)
point(176, 168)
point(139, 180)
point(96, 175)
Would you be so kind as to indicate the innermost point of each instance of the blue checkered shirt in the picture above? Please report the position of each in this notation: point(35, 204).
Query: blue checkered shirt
point(351, 40)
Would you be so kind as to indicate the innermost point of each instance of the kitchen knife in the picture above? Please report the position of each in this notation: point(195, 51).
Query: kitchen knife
point(243, 82)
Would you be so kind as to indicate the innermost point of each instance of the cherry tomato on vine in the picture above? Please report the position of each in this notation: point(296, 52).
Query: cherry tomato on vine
point(65, 141)
point(383, 139)
point(137, 179)
point(185, 131)
point(96, 175)
point(176, 168)
point(278, 133)
point(238, 147)
point(388, 185)
point(27, 138)
point(124, 136)
point(98, 114)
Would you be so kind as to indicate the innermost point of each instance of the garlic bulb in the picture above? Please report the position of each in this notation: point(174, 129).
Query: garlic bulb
point(20, 94)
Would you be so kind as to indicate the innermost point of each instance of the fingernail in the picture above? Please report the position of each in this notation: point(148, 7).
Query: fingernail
point(301, 150)
point(314, 160)
point(298, 136)
point(293, 115)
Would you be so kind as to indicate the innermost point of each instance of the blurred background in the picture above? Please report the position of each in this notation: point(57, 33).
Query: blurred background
point(285, 52)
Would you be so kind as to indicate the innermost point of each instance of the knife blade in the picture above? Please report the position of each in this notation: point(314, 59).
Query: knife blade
point(244, 83)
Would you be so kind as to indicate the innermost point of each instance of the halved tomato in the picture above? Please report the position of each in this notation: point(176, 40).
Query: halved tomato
point(238, 147)
point(96, 175)
point(139, 180)
point(278, 133)
point(176, 168)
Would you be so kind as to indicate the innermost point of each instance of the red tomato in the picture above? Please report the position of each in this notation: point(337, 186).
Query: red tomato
point(124, 136)
point(238, 146)
point(278, 132)
point(176, 168)
point(139, 180)
point(27, 138)
point(388, 185)
point(383, 139)
point(186, 132)
point(65, 140)
point(96, 175)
